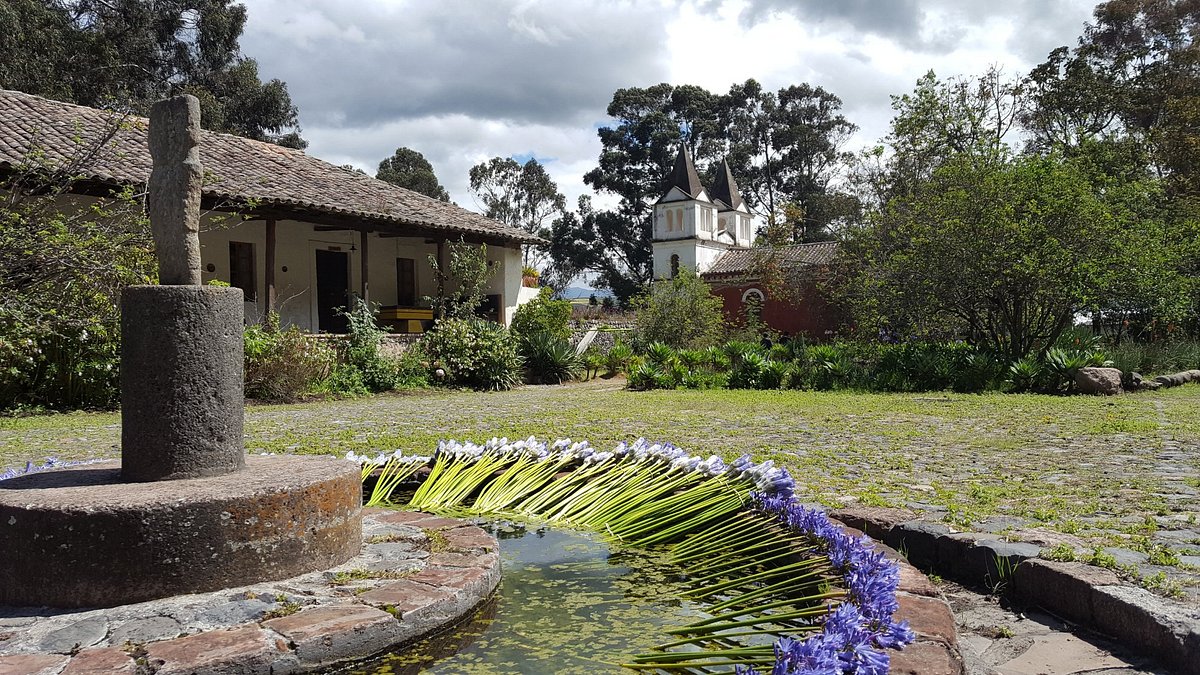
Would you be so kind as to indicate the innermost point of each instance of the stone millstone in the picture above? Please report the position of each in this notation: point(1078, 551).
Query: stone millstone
point(79, 537)
point(181, 382)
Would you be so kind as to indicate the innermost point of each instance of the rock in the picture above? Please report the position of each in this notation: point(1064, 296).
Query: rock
point(1103, 381)
point(236, 611)
point(1135, 381)
point(80, 634)
point(1178, 378)
point(148, 629)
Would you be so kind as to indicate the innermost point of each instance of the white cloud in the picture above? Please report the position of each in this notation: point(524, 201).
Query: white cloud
point(464, 82)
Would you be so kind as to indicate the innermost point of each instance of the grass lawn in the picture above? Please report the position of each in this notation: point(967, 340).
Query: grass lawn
point(1121, 472)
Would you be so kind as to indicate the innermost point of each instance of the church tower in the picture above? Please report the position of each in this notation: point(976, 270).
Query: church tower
point(692, 227)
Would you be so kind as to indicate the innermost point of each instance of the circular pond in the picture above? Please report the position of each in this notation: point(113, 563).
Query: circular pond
point(567, 603)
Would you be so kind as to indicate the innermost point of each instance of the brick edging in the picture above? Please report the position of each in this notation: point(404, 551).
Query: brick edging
point(1090, 596)
point(376, 618)
point(935, 650)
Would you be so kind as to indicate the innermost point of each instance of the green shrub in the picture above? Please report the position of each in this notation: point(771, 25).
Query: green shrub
point(832, 367)
point(344, 381)
point(379, 373)
point(543, 315)
point(617, 359)
point(412, 368)
point(660, 354)
point(549, 359)
point(1155, 358)
point(474, 353)
point(747, 371)
point(1026, 374)
point(773, 374)
point(592, 361)
point(74, 367)
point(283, 365)
point(680, 312)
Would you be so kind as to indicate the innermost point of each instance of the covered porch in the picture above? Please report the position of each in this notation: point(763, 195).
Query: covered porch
point(308, 271)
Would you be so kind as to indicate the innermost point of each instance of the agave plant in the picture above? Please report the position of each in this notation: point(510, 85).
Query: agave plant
point(617, 359)
point(774, 581)
point(550, 359)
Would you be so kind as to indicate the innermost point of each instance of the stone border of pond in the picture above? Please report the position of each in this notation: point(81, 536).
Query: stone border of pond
point(1090, 596)
point(417, 574)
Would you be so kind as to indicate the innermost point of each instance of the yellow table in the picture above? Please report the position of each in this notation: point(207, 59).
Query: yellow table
point(406, 319)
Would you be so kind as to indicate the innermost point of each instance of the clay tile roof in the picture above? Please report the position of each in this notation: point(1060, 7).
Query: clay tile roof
point(747, 261)
point(237, 170)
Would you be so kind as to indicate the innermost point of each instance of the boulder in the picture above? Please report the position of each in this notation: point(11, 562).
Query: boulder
point(1105, 381)
point(1178, 378)
point(1135, 381)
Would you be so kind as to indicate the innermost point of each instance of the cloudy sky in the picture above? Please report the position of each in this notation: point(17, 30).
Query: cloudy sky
point(462, 81)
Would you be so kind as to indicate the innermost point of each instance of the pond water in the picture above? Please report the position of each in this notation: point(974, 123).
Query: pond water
point(567, 603)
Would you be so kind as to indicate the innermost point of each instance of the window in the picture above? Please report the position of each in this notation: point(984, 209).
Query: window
point(674, 265)
point(753, 296)
point(406, 282)
point(670, 220)
point(241, 268)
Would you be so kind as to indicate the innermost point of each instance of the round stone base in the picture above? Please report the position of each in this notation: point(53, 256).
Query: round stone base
point(394, 592)
point(80, 537)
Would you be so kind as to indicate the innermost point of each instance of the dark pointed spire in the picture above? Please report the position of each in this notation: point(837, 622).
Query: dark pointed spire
point(726, 189)
point(684, 175)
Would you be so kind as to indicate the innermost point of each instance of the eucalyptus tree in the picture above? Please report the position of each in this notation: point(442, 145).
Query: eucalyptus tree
point(409, 169)
point(520, 195)
point(130, 53)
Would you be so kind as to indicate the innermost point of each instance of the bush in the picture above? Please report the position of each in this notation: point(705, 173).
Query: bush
point(73, 367)
point(474, 353)
point(592, 362)
point(379, 373)
point(283, 365)
point(680, 312)
point(1155, 358)
point(617, 359)
point(549, 359)
point(543, 315)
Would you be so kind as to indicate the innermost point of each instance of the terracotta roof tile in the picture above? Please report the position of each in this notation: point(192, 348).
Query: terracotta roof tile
point(749, 260)
point(237, 170)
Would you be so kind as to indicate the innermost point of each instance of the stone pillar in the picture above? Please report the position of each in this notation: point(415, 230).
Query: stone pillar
point(174, 190)
point(181, 357)
point(181, 382)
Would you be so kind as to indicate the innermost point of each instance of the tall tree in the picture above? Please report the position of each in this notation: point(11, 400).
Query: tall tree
point(1008, 252)
point(519, 195)
point(601, 242)
point(784, 148)
point(409, 169)
point(1149, 49)
point(129, 53)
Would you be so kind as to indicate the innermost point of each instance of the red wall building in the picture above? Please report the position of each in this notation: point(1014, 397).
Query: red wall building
point(786, 285)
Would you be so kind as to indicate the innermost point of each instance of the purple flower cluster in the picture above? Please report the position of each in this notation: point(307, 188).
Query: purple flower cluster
point(857, 631)
point(50, 463)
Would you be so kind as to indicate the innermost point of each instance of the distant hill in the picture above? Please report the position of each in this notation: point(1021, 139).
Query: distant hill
point(577, 292)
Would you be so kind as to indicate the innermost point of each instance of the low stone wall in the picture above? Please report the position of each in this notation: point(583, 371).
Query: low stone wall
point(395, 591)
point(1092, 596)
point(608, 331)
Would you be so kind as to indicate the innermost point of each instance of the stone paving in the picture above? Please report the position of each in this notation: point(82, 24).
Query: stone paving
point(406, 583)
point(996, 639)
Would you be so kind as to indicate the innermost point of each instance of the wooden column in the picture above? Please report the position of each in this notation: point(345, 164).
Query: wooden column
point(441, 274)
point(363, 246)
point(272, 297)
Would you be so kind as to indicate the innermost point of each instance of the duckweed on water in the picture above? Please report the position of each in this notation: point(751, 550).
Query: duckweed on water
point(567, 604)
